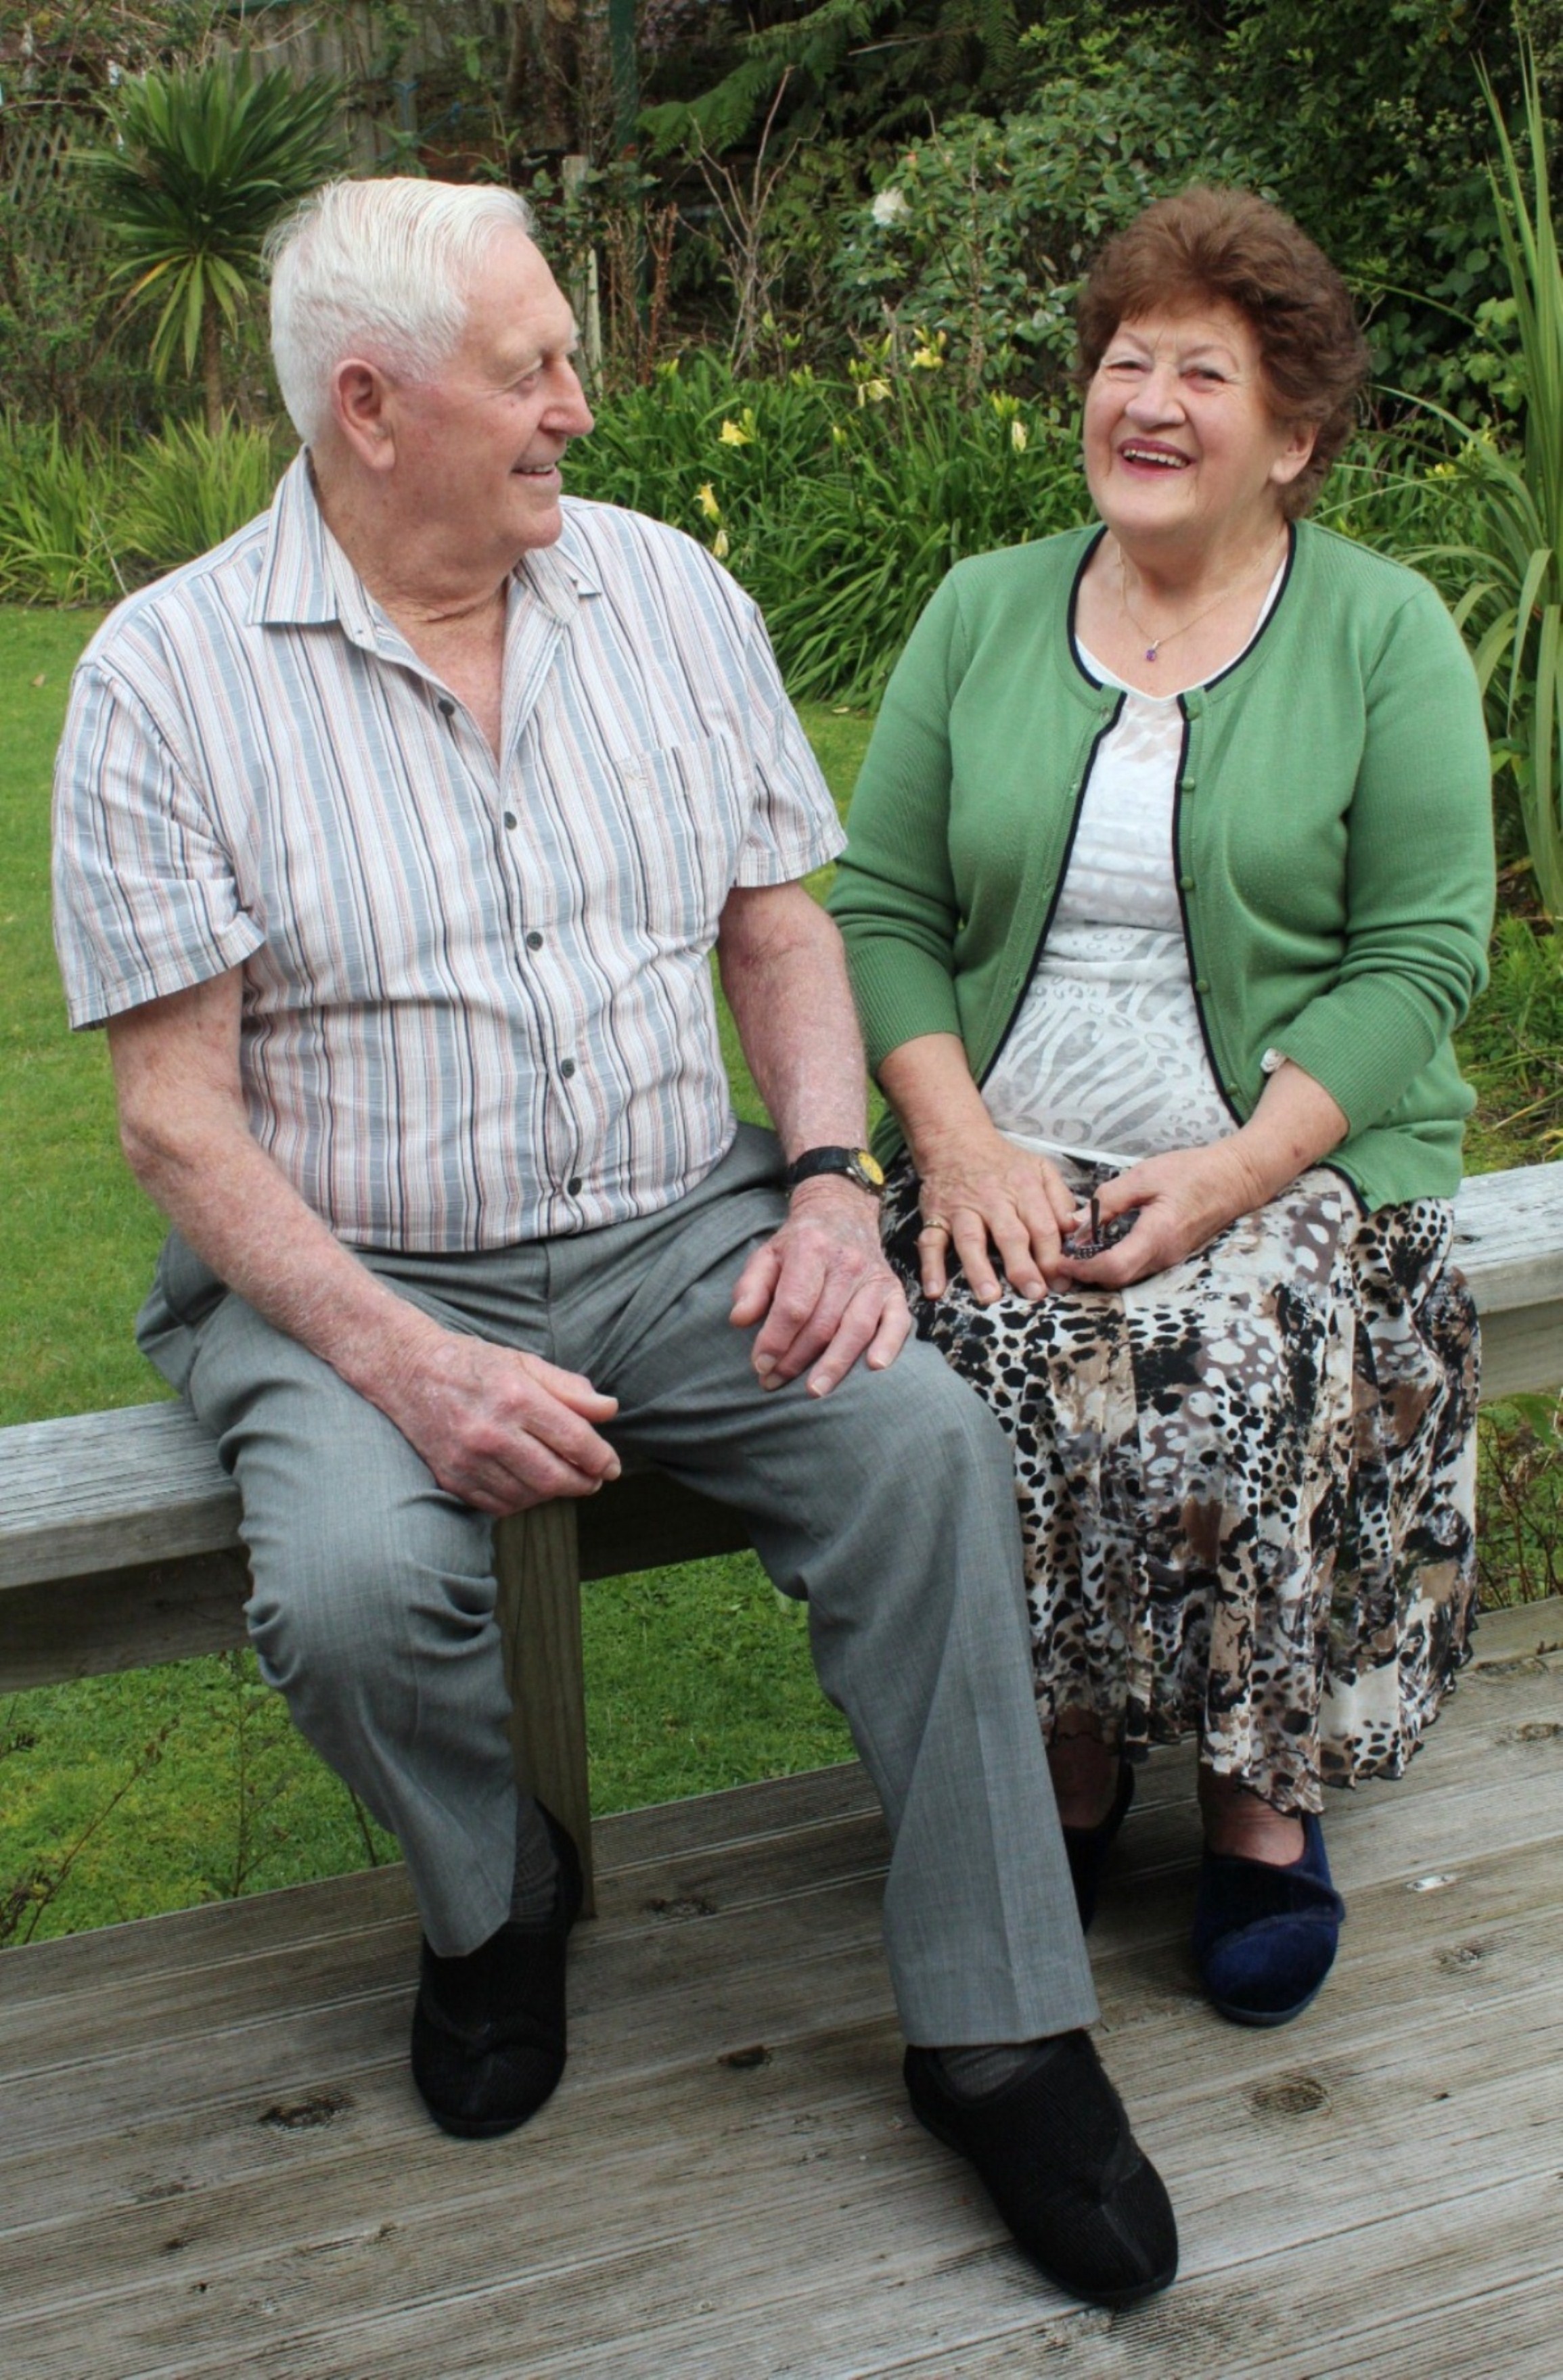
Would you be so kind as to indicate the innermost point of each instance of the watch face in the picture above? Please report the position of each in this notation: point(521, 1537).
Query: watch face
point(865, 1168)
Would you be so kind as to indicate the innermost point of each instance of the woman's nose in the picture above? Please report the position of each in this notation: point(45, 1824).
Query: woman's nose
point(1155, 397)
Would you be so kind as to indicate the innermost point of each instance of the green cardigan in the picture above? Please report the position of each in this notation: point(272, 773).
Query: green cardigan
point(1332, 830)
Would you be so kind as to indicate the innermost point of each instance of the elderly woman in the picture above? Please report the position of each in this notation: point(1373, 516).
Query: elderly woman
point(1169, 880)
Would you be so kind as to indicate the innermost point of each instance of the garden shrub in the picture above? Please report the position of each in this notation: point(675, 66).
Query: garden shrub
point(982, 230)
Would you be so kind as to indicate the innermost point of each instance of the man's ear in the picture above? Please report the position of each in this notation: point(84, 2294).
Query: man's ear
point(362, 409)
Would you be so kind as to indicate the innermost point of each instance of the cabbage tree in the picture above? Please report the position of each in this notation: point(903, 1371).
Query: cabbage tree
point(204, 159)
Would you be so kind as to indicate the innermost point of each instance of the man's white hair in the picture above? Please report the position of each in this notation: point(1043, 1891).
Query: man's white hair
point(384, 270)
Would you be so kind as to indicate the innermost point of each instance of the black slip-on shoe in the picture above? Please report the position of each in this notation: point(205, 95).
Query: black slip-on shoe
point(1055, 2150)
point(488, 2030)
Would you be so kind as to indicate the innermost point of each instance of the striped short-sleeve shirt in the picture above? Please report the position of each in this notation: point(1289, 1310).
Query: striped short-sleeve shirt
point(477, 1001)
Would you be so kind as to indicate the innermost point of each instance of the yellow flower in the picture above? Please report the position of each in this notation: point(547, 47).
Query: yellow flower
point(1017, 438)
point(706, 497)
point(872, 391)
point(719, 545)
point(930, 355)
point(733, 434)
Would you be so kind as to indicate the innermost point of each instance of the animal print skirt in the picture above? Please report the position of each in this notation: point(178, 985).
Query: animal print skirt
point(1246, 1485)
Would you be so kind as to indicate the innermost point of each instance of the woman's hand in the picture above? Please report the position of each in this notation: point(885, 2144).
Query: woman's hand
point(1180, 1202)
point(1185, 1197)
point(977, 1189)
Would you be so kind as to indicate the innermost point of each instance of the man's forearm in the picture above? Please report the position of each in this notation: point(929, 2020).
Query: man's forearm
point(785, 974)
point(187, 1140)
point(230, 1201)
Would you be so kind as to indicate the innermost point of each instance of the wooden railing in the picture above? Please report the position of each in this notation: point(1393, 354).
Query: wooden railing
point(119, 1531)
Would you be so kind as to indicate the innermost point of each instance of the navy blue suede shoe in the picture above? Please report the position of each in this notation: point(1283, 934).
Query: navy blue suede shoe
point(1265, 1937)
point(1087, 1847)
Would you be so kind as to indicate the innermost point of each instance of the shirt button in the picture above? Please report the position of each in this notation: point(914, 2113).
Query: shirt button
point(447, 708)
point(510, 817)
point(535, 941)
point(567, 1067)
point(573, 1186)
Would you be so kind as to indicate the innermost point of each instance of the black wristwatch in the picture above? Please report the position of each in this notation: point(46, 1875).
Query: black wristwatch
point(859, 1165)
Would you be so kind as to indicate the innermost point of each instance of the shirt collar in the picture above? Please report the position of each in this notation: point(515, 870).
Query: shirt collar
point(306, 579)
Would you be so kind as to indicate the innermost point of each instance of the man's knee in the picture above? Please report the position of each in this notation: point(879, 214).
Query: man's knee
point(343, 1590)
point(935, 1430)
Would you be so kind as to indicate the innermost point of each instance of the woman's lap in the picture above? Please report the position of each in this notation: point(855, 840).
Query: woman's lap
point(1245, 1485)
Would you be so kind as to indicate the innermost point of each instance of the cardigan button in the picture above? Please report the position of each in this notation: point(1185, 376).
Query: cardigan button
point(1185, 884)
point(1202, 984)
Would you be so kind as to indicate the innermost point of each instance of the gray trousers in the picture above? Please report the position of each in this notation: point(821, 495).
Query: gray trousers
point(888, 1505)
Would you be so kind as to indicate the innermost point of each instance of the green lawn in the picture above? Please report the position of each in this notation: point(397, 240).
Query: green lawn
point(123, 1796)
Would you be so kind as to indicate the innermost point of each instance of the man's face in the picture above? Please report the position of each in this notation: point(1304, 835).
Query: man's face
point(478, 447)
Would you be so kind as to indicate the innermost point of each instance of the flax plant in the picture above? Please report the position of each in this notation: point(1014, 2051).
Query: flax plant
point(1511, 557)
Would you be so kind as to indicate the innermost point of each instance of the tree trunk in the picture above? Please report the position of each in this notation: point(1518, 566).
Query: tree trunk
point(544, 79)
point(212, 366)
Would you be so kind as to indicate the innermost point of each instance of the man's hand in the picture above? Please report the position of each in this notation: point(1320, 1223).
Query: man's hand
point(823, 1289)
point(501, 1429)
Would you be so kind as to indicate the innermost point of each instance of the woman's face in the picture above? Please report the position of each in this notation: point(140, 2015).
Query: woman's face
point(1180, 444)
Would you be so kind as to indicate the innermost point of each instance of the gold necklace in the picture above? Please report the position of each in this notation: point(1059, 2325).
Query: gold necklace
point(1155, 644)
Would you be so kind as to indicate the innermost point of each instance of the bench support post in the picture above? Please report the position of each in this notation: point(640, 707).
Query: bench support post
point(537, 1565)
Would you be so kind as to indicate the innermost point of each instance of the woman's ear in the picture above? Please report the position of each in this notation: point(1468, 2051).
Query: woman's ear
point(1302, 437)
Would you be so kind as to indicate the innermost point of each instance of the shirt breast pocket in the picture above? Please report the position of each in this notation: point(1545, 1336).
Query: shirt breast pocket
point(684, 814)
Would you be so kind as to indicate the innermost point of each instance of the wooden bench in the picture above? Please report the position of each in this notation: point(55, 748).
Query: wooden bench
point(119, 1544)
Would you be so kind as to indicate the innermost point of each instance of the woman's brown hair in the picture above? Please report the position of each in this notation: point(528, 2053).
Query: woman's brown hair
point(1205, 247)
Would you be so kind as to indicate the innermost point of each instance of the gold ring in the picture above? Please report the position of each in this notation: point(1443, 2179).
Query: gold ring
point(932, 1223)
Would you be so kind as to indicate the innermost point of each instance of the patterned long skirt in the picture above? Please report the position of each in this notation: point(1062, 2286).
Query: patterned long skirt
point(1246, 1485)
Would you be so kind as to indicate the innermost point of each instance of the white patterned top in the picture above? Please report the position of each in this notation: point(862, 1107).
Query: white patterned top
point(1104, 1060)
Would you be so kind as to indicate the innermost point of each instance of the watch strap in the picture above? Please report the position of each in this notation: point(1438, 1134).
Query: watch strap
point(859, 1165)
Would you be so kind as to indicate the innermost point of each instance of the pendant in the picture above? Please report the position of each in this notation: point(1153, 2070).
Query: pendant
point(1150, 651)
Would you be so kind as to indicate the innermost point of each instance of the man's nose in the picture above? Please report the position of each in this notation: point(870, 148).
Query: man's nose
point(568, 413)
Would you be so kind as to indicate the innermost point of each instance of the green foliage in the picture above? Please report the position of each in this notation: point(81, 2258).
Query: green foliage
point(982, 230)
point(1520, 1493)
point(858, 65)
point(1511, 1050)
point(913, 485)
point(189, 491)
point(83, 521)
point(1510, 556)
point(840, 504)
point(203, 161)
point(57, 529)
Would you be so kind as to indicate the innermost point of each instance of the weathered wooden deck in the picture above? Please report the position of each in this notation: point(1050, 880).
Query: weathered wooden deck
point(212, 2159)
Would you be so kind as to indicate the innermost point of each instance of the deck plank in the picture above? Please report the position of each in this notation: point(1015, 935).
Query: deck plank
point(210, 2156)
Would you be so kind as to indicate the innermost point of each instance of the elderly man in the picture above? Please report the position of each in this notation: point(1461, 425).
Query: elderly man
point(393, 840)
